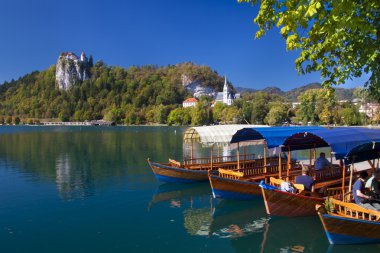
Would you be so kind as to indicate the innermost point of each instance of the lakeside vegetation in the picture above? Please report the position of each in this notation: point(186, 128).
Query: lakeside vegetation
point(154, 95)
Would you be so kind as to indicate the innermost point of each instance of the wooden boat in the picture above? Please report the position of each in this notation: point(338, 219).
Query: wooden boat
point(196, 171)
point(283, 203)
point(345, 222)
point(349, 223)
point(243, 184)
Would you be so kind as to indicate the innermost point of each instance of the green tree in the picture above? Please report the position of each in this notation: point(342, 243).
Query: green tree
point(260, 107)
point(8, 120)
point(16, 120)
point(339, 39)
point(218, 112)
point(200, 114)
point(277, 115)
point(179, 116)
point(350, 116)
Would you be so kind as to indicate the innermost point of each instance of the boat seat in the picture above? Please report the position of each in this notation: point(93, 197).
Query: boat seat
point(230, 174)
point(277, 182)
point(174, 163)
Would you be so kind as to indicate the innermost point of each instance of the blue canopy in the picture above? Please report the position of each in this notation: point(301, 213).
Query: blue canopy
point(363, 152)
point(341, 140)
point(274, 136)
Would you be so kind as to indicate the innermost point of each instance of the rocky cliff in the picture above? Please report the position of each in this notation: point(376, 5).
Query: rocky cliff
point(71, 69)
point(196, 88)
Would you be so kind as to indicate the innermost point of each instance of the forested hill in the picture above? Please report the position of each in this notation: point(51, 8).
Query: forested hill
point(133, 95)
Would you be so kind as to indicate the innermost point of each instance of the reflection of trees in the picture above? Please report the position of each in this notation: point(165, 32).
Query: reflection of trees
point(90, 153)
point(71, 183)
point(197, 221)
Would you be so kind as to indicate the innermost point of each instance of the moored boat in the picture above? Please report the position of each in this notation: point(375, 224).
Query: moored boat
point(244, 183)
point(349, 223)
point(195, 169)
point(170, 173)
point(282, 203)
point(345, 222)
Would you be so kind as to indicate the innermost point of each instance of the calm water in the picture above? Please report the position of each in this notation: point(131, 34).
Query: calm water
point(84, 189)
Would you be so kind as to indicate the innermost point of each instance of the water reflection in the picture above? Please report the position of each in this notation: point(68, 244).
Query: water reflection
point(244, 224)
point(72, 183)
point(178, 194)
point(78, 158)
point(205, 216)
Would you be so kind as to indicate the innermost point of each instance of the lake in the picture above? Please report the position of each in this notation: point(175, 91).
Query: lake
point(90, 189)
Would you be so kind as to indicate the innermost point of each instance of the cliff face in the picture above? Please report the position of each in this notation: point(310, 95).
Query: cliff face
point(71, 69)
point(196, 88)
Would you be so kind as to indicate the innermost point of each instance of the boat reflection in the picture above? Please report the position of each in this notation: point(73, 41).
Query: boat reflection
point(178, 194)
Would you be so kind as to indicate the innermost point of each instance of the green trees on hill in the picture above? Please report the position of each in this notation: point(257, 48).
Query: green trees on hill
point(130, 96)
point(151, 94)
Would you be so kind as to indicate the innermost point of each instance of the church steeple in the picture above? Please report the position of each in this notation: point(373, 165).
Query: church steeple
point(225, 87)
point(225, 91)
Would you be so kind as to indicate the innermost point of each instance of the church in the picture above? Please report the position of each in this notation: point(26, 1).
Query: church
point(227, 96)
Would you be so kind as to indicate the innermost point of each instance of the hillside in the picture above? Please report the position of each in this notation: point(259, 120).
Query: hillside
point(133, 95)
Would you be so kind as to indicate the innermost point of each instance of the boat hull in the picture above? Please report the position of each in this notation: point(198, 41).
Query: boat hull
point(169, 174)
point(280, 203)
point(345, 230)
point(233, 189)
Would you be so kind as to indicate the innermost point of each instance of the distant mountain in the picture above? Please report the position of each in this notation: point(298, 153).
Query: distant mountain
point(294, 93)
point(274, 91)
point(242, 90)
point(341, 93)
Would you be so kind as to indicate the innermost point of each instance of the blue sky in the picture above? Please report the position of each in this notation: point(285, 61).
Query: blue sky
point(216, 33)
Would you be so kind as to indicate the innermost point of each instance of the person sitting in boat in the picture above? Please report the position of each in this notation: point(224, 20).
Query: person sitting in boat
point(361, 199)
point(373, 184)
point(321, 162)
point(305, 179)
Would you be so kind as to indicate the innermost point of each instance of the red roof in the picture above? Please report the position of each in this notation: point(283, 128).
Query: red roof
point(191, 100)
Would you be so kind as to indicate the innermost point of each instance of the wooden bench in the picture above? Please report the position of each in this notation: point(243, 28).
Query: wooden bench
point(353, 210)
point(230, 174)
point(277, 182)
point(174, 163)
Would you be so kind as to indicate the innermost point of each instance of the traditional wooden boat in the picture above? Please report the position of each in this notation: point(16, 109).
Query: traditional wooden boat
point(348, 223)
point(345, 222)
point(195, 169)
point(183, 173)
point(281, 203)
point(244, 183)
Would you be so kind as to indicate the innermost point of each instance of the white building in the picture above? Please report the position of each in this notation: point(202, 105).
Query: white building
point(190, 102)
point(226, 97)
point(370, 109)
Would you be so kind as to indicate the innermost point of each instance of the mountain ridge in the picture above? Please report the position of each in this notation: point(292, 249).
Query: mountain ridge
point(341, 93)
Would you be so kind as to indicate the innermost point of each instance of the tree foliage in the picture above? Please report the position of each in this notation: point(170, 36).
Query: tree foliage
point(339, 39)
point(136, 95)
